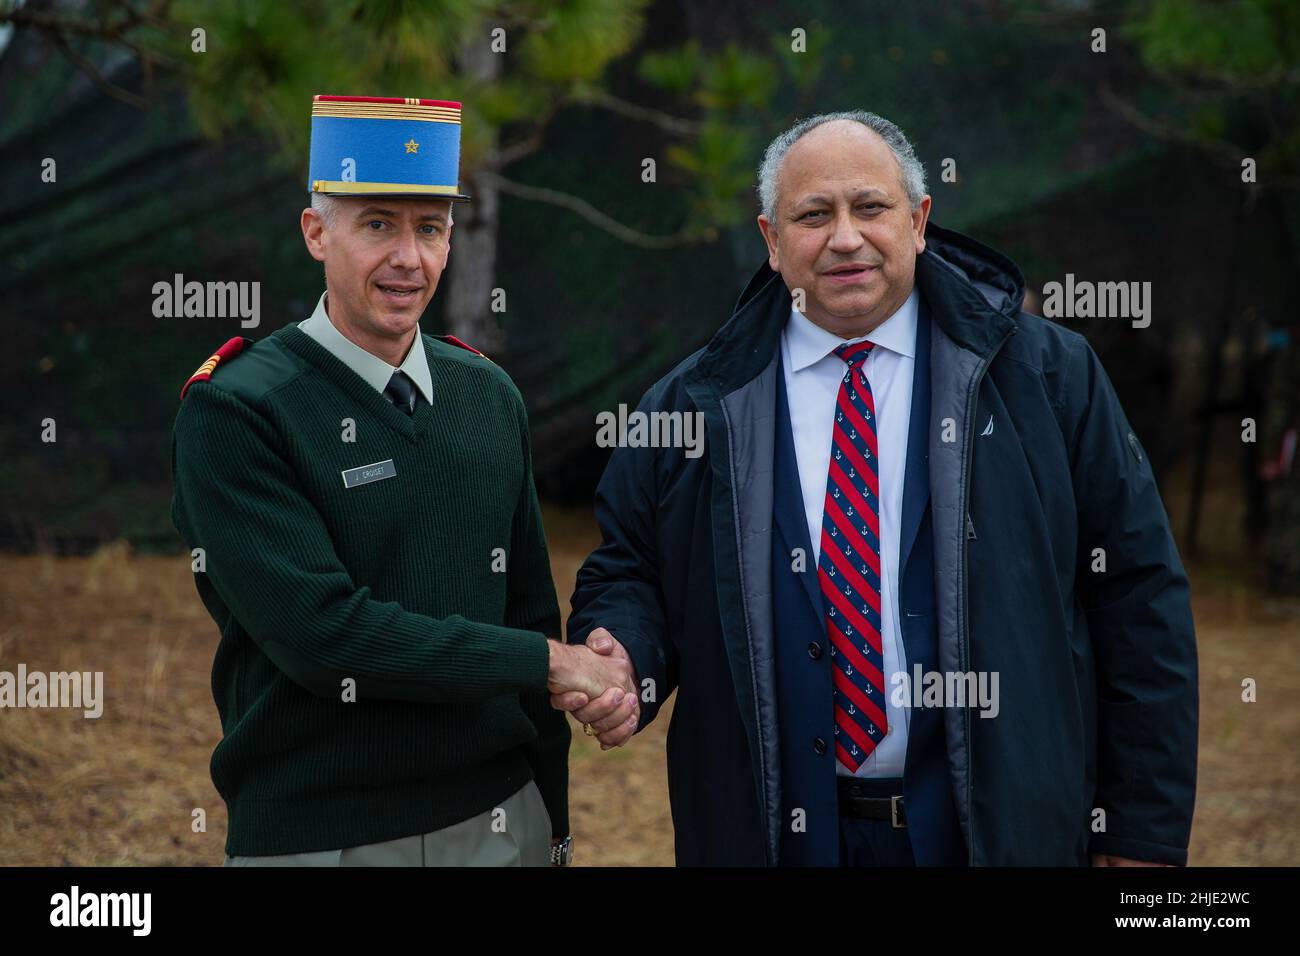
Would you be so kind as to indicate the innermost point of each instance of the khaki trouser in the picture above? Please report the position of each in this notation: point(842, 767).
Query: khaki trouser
point(519, 836)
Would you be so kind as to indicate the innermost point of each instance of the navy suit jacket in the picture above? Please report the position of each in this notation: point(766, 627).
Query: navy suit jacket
point(810, 832)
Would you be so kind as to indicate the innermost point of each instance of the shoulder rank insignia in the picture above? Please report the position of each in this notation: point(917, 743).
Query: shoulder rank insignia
point(204, 372)
point(452, 340)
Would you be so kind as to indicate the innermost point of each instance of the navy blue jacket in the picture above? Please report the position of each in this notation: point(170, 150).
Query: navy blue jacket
point(1036, 478)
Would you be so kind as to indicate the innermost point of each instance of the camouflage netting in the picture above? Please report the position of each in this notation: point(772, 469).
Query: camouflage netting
point(1046, 174)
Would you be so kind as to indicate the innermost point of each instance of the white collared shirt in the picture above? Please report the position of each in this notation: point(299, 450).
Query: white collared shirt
point(813, 374)
point(370, 367)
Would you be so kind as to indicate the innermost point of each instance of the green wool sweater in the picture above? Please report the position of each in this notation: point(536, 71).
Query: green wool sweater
point(428, 592)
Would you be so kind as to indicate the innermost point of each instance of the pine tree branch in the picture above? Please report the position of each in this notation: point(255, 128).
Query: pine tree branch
point(669, 124)
point(588, 212)
point(1222, 150)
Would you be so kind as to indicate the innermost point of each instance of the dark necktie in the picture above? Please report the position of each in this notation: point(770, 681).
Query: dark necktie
point(848, 566)
point(401, 392)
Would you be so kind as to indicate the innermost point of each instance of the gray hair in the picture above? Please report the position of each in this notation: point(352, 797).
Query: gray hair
point(912, 172)
point(327, 207)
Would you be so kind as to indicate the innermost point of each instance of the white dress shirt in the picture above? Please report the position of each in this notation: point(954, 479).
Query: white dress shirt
point(370, 367)
point(813, 373)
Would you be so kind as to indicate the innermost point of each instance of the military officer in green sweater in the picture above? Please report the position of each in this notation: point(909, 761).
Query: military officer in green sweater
point(367, 537)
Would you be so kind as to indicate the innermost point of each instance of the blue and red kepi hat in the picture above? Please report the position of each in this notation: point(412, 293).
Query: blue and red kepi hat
point(385, 146)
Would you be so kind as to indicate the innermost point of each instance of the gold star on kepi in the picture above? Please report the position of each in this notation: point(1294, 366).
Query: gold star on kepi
point(384, 146)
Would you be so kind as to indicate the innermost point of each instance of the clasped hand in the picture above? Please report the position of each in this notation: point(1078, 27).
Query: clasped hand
point(597, 684)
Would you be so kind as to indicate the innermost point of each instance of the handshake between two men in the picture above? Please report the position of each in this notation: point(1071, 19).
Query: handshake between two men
point(597, 684)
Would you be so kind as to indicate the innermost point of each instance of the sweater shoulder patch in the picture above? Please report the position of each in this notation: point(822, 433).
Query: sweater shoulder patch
point(452, 340)
point(262, 366)
point(228, 351)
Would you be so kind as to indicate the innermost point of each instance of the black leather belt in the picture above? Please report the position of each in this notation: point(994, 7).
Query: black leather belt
point(866, 798)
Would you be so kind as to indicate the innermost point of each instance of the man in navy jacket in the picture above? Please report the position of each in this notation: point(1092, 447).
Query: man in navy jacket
point(1021, 685)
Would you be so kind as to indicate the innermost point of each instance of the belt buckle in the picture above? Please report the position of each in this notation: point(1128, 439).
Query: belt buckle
point(893, 813)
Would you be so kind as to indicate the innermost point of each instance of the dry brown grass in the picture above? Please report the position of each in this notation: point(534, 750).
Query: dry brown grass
point(1248, 778)
point(122, 789)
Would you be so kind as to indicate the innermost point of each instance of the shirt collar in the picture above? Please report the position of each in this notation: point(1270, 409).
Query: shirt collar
point(809, 343)
point(370, 367)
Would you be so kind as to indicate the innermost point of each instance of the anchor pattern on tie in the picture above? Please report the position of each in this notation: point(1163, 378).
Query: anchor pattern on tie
point(848, 566)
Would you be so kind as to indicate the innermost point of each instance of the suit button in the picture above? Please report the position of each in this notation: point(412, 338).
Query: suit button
point(815, 651)
point(819, 745)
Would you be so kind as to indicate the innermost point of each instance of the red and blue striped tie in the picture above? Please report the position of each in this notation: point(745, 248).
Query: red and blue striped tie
point(848, 566)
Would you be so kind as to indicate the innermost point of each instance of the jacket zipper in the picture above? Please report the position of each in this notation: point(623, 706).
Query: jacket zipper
point(971, 402)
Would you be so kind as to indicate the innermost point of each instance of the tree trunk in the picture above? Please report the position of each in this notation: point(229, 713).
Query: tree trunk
point(471, 269)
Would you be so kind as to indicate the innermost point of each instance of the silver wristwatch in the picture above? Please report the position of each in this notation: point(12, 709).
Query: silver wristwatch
point(562, 852)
